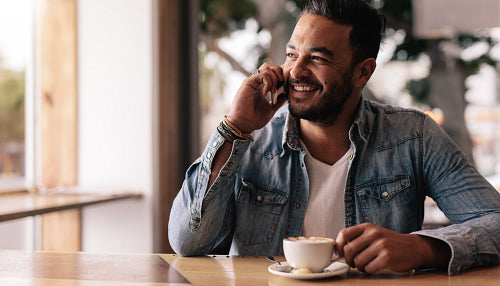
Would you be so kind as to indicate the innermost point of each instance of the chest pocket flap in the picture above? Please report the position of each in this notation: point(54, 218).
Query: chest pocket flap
point(384, 189)
point(262, 196)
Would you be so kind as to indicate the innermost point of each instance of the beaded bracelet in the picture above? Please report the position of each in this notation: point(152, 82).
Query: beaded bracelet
point(230, 130)
point(223, 134)
point(235, 129)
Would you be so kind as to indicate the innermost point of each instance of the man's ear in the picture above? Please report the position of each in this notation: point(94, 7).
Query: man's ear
point(363, 72)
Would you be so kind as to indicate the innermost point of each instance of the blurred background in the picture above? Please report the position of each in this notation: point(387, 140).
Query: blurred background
point(438, 56)
point(144, 64)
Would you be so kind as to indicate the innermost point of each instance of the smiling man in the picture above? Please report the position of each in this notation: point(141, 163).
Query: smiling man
point(323, 161)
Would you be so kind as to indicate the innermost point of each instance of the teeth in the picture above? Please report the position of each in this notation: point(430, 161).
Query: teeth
point(303, 88)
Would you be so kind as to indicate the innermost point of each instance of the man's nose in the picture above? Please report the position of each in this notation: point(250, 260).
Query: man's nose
point(299, 69)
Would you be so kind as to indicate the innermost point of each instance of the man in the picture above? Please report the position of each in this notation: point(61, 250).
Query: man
point(333, 164)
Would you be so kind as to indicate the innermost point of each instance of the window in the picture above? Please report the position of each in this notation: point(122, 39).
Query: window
point(16, 30)
point(235, 42)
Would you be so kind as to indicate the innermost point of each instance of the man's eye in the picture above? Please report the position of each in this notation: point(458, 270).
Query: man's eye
point(316, 58)
point(290, 55)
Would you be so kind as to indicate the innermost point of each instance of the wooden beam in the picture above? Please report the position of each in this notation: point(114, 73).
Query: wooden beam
point(60, 231)
point(168, 133)
point(178, 120)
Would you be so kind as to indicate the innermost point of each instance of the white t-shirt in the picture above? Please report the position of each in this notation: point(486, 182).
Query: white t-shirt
point(325, 208)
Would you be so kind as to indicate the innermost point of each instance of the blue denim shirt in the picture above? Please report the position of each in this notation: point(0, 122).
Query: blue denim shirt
point(401, 157)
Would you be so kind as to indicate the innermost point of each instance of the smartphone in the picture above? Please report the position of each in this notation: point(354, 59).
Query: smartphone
point(272, 98)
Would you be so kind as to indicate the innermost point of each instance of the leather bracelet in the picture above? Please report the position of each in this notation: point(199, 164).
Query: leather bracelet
point(224, 128)
point(236, 130)
point(223, 134)
point(229, 129)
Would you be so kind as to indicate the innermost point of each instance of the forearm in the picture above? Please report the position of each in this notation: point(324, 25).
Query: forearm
point(220, 159)
point(191, 234)
point(467, 199)
point(434, 253)
point(208, 189)
point(473, 243)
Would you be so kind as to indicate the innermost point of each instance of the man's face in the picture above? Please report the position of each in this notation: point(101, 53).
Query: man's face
point(318, 69)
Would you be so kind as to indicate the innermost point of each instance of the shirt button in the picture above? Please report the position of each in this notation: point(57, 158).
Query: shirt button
point(259, 198)
point(351, 156)
point(215, 144)
point(385, 194)
point(302, 165)
point(297, 205)
point(209, 155)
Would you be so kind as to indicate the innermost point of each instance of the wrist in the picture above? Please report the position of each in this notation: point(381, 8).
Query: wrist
point(230, 132)
point(239, 124)
point(434, 252)
point(227, 139)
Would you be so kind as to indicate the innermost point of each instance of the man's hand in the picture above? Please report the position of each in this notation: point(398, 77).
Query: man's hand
point(371, 248)
point(250, 110)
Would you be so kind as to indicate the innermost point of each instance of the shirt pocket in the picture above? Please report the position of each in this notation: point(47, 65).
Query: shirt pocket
point(258, 213)
point(388, 203)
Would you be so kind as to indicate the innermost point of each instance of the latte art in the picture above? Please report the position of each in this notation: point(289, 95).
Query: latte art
point(309, 239)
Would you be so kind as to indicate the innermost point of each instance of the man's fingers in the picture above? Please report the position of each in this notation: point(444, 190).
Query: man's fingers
point(376, 264)
point(354, 251)
point(268, 81)
point(345, 236)
point(366, 256)
point(277, 70)
point(372, 248)
point(275, 73)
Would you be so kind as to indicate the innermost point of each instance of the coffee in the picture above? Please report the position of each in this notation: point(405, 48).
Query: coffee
point(311, 252)
point(309, 239)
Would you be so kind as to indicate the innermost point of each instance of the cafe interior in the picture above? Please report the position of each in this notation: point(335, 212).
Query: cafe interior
point(105, 104)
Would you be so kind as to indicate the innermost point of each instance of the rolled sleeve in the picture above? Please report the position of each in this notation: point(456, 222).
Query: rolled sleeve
point(473, 243)
point(198, 213)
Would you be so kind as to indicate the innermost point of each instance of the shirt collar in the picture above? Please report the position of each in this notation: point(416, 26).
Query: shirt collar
point(291, 134)
point(360, 126)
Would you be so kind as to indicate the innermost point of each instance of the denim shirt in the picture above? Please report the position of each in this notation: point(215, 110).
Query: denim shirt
point(401, 157)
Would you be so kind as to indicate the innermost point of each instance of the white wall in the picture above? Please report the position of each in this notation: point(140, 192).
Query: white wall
point(17, 234)
point(115, 121)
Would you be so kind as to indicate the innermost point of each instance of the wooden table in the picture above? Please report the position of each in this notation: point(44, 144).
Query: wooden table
point(20, 204)
point(86, 269)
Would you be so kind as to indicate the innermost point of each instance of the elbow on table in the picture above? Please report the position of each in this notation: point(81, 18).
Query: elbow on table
point(185, 247)
point(186, 250)
point(184, 240)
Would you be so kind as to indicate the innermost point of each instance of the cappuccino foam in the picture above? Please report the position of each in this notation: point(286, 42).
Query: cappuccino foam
point(309, 239)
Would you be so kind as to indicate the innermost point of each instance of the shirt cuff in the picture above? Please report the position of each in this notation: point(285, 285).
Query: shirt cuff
point(461, 246)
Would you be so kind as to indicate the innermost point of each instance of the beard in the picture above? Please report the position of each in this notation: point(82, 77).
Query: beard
point(330, 103)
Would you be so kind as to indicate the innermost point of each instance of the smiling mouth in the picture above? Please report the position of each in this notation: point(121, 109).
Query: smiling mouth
point(302, 88)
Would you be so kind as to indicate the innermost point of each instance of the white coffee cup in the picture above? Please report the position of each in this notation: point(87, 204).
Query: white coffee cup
point(314, 253)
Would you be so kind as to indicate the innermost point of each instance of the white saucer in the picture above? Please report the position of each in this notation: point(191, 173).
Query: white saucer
point(334, 269)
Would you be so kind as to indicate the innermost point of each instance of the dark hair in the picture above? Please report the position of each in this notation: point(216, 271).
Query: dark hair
point(367, 23)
